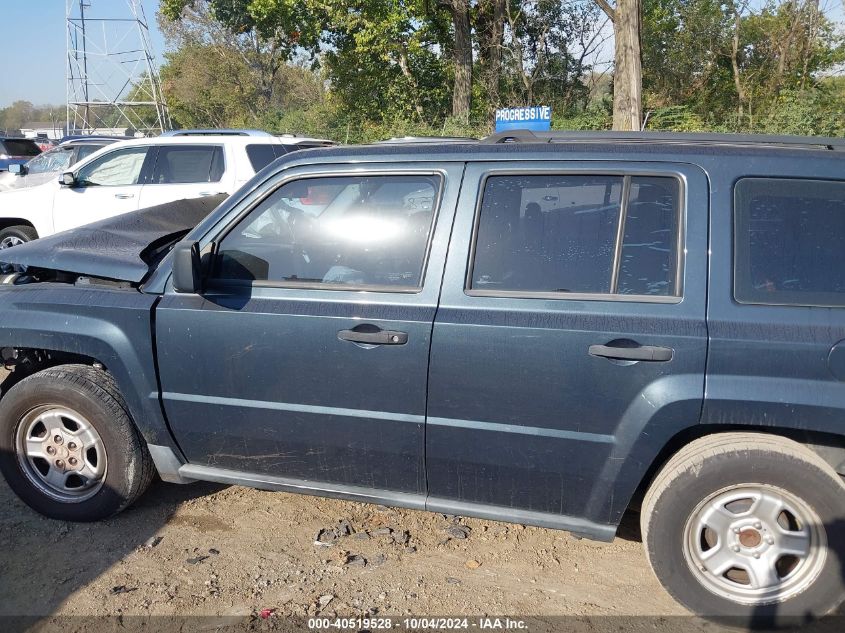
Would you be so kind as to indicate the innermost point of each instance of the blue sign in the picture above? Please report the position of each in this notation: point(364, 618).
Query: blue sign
point(536, 118)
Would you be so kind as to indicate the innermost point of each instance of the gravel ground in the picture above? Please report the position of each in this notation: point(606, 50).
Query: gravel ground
point(206, 549)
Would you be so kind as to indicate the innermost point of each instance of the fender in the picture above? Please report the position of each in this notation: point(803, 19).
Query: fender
point(111, 325)
point(663, 409)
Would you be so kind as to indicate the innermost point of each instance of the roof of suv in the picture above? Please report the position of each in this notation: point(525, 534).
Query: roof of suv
point(214, 132)
point(283, 139)
point(525, 145)
point(202, 139)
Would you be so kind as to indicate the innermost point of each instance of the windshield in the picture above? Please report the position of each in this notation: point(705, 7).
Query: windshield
point(57, 159)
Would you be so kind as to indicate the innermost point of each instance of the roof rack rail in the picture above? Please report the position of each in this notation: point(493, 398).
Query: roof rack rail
point(215, 132)
point(398, 140)
point(680, 138)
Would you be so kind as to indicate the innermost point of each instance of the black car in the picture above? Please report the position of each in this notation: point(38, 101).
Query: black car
point(16, 151)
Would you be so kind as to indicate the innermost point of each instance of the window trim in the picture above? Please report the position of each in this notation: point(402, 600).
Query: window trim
point(626, 175)
point(217, 283)
point(739, 274)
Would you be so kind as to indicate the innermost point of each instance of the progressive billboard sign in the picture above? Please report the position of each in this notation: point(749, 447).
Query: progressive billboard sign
point(536, 118)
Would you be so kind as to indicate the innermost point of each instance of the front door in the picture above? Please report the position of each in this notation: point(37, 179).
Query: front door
point(107, 186)
point(307, 356)
point(570, 337)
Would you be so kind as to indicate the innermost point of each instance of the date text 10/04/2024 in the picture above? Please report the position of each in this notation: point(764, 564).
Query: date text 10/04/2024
point(415, 624)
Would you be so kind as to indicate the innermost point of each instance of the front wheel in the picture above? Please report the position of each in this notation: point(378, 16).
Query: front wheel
point(68, 447)
point(748, 526)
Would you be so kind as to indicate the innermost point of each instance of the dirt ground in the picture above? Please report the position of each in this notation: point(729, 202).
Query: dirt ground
point(216, 550)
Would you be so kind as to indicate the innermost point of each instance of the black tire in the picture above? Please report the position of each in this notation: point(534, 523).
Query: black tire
point(93, 394)
point(20, 232)
point(716, 463)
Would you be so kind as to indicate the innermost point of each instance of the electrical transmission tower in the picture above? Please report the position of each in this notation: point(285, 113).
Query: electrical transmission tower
point(112, 79)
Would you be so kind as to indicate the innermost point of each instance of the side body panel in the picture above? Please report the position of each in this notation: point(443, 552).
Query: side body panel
point(108, 325)
point(768, 365)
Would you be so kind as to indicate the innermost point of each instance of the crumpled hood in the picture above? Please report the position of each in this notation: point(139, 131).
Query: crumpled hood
point(114, 248)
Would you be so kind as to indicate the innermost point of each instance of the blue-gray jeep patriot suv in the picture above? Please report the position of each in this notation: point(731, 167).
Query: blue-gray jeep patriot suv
point(551, 329)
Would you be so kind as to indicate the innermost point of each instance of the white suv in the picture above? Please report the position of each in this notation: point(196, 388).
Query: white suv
point(137, 174)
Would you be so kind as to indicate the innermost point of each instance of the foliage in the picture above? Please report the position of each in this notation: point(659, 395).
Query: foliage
point(15, 116)
point(675, 119)
point(358, 70)
point(813, 112)
point(729, 64)
point(382, 59)
point(596, 116)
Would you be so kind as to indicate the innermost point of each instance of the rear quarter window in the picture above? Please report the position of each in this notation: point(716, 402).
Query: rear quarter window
point(789, 242)
point(262, 154)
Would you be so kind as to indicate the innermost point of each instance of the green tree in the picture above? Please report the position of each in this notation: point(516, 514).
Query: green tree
point(265, 34)
point(16, 115)
point(382, 59)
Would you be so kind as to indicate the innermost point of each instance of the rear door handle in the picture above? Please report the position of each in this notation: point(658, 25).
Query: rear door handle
point(378, 337)
point(648, 353)
point(124, 196)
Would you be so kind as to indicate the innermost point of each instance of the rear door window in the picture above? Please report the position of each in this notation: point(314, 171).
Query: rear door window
point(789, 242)
point(580, 234)
point(180, 164)
point(262, 154)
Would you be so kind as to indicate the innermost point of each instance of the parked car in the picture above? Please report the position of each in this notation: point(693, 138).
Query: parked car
point(44, 143)
point(48, 165)
point(16, 151)
point(134, 174)
point(550, 329)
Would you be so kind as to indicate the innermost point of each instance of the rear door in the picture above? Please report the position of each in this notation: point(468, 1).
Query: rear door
point(570, 340)
point(186, 171)
point(306, 358)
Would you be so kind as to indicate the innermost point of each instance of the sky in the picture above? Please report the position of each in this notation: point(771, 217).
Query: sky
point(34, 38)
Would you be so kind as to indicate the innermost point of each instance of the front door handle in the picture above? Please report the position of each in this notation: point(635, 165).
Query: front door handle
point(373, 336)
point(648, 353)
point(124, 196)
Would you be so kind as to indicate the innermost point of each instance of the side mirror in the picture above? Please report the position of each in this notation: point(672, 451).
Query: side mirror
point(68, 179)
point(187, 267)
point(17, 169)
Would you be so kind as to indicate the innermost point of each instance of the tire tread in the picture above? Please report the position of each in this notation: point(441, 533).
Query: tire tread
point(100, 385)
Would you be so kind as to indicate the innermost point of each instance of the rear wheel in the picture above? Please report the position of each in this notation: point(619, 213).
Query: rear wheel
point(15, 235)
point(68, 447)
point(748, 525)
